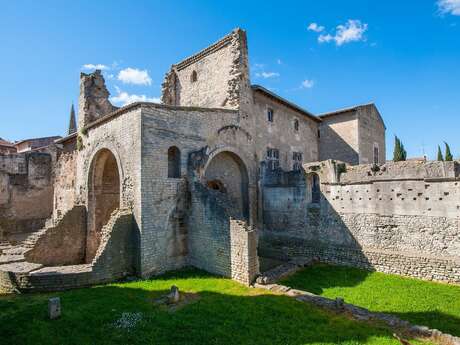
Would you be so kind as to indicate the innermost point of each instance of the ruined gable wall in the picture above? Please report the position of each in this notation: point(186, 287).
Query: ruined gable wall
point(220, 76)
point(339, 138)
point(26, 193)
point(280, 133)
point(403, 219)
point(371, 133)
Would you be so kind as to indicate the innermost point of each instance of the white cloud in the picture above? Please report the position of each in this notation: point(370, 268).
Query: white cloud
point(124, 98)
point(134, 76)
point(325, 38)
point(279, 62)
point(267, 75)
point(307, 84)
point(315, 27)
point(449, 7)
point(352, 31)
point(90, 66)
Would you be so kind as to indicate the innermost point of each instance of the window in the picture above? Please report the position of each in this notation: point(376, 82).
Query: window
point(376, 154)
point(296, 125)
point(319, 134)
point(194, 77)
point(273, 159)
point(270, 115)
point(173, 162)
point(296, 161)
point(315, 189)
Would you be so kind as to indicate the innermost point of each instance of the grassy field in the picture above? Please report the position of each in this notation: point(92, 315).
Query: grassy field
point(224, 312)
point(425, 303)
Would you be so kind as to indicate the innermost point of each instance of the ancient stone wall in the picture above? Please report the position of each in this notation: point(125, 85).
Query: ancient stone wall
point(26, 193)
point(63, 243)
point(211, 78)
point(218, 242)
point(401, 219)
point(166, 201)
point(64, 183)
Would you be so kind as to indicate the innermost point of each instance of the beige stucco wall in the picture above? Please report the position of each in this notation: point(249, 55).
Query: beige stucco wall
point(280, 133)
point(339, 138)
point(371, 133)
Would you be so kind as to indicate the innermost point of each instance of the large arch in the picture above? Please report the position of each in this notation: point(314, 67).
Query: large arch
point(227, 173)
point(103, 197)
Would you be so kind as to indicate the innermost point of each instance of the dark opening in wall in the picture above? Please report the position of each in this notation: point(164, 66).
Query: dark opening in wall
point(216, 185)
point(173, 162)
point(194, 77)
point(296, 125)
point(270, 115)
point(315, 189)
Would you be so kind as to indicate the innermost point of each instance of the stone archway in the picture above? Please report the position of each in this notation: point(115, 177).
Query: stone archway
point(227, 173)
point(103, 197)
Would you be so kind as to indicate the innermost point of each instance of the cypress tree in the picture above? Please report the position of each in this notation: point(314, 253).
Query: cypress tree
point(448, 154)
point(440, 157)
point(399, 153)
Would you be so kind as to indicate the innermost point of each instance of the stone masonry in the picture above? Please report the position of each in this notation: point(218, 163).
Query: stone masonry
point(221, 174)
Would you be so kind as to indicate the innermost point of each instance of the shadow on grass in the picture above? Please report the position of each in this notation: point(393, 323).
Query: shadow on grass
point(226, 313)
point(391, 290)
point(322, 276)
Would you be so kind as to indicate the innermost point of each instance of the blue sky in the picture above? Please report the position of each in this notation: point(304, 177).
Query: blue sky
point(402, 55)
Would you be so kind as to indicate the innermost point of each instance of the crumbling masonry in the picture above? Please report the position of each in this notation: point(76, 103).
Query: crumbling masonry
point(225, 176)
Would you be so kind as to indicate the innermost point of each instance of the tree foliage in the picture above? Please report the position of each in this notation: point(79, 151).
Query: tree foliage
point(399, 153)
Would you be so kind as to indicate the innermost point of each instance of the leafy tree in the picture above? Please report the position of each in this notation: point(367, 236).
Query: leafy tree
point(399, 153)
point(440, 157)
point(448, 154)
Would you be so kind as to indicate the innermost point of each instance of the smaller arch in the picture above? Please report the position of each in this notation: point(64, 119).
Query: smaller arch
point(194, 76)
point(174, 160)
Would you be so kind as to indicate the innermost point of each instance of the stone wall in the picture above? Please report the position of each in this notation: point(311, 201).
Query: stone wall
point(211, 78)
point(401, 219)
point(281, 134)
point(63, 243)
point(64, 183)
point(26, 193)
point(218, 242)
point(166, 201)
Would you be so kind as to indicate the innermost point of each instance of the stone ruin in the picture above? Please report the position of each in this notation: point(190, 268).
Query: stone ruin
point(225, 176)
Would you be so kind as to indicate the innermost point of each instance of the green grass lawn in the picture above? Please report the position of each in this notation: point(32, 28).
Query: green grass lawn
point(424, 303)
point(225, 313)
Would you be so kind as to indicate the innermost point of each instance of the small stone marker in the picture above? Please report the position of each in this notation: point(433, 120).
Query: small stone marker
point(174, 295)
point(54, 308)
point(339, 303)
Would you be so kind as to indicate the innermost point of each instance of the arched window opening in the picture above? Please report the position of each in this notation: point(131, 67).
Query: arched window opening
point(173, 162)
point(194, 77)
point(296, 125)
point(315, 189)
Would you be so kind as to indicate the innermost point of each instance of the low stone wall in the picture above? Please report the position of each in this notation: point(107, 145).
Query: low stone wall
point(446, 269)
point(118, 253)
point(219, 243)
point(62, 244)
